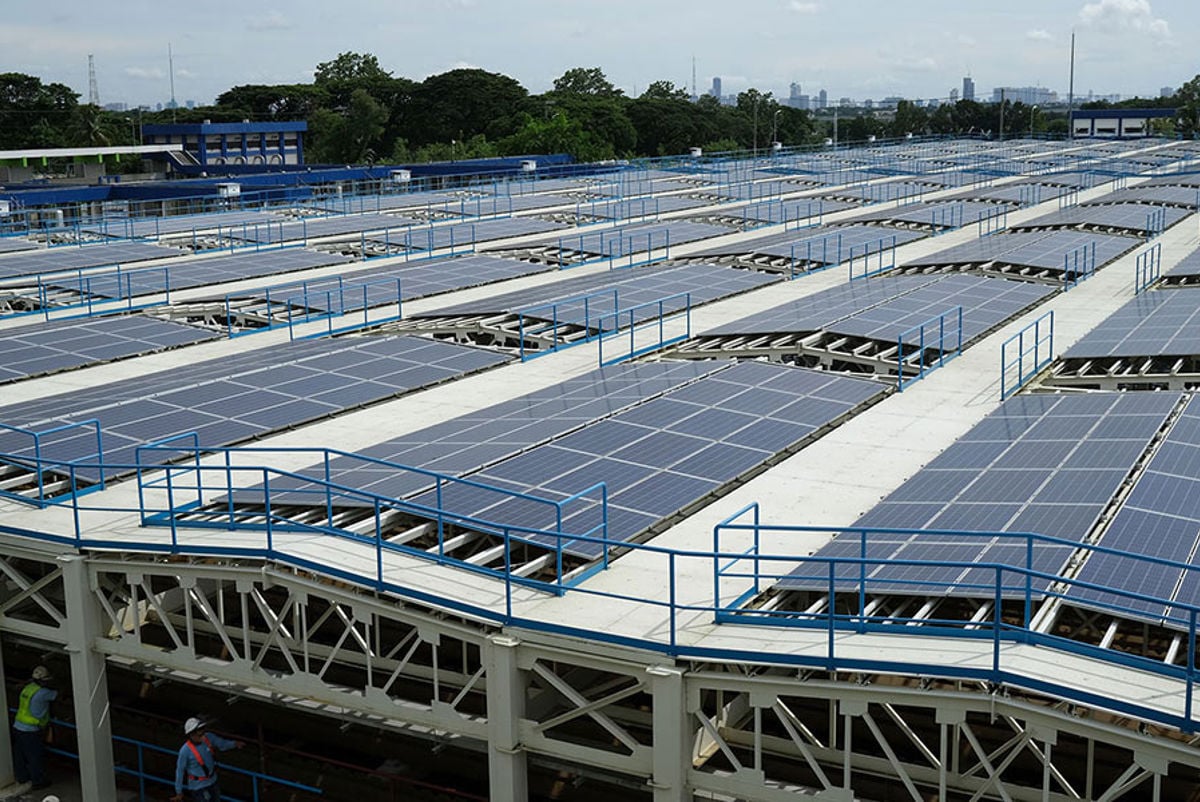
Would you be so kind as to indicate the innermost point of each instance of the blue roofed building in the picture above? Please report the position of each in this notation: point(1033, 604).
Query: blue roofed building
point(209, 144)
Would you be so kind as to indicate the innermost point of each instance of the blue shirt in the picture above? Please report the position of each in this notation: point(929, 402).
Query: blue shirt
point(190, 771)
point(39, 705)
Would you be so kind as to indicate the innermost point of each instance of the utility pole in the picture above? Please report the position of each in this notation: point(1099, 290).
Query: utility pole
point(1002, 114)
point(1071, 94)
point(171, 70)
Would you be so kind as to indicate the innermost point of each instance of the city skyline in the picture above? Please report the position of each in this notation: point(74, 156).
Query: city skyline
point(860, 49)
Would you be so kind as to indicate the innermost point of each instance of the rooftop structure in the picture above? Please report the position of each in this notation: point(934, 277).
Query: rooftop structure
point(759, 478)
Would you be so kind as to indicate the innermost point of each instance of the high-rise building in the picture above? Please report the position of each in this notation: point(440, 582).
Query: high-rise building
point(716, 88)
point(822, 99)
point(953, 95)
point(802, 102)
point(1166, 91)
point(968, 92)
point(794, 94)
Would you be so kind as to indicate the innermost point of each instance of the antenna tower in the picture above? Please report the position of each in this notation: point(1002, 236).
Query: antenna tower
point(694, 78)
point(93, 89)
point(171, 69)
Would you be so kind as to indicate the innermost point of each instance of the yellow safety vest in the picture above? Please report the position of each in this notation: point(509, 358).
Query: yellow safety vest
point(24, 716)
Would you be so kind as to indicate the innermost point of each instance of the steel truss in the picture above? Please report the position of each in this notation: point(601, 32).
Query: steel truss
point(621, 716)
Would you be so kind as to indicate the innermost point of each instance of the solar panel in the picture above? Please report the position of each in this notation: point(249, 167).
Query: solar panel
point(463, 234)
point(51, 347)
point(298, 381)
point(75, 257)
point(15, 244)
point(317, 227)
point(1130, 217)
point(632, 287)
point(376, 286)
point(176, 224)
point(1165, 323)
point(201, 272)
point(1188, 266)
point(1152, 194)
point(884, 308)
point(1028, 467)
point(938, 214)
point(655, 471)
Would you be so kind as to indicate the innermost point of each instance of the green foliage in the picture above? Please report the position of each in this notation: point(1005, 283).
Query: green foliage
point(585, 81)
point(1187, 108)
point(350, 67)
point(35, 115)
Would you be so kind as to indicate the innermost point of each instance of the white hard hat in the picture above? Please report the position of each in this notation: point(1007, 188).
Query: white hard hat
point(191, 725)
point(51, 798)
point(41, 673)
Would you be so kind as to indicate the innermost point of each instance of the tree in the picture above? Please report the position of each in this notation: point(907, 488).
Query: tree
point(909, 119)
point(1187, 108)
point(585, 81)
point(664, 90)
point(281, 102)
point(33, 114)
point(461, 103)
point(350, 67)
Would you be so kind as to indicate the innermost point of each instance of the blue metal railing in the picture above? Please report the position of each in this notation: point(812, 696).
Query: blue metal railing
point(1148, 268)
point(877, 257)
point(738, 575)
point(336, 306)
point(1156, 222)
point(145, 778)
point(40, 463)
point(1078, 265)
point(533, 322)
point(817, 254)
point(993, 220)
point(657, 323)
point(1034, 343)
point(943, 334)
point(187, 486)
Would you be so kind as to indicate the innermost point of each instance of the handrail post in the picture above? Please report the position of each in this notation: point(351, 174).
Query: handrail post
point(671, 624)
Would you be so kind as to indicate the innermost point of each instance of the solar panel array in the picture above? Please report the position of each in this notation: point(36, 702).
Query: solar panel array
point(317, 227)
point(468, 443)
point(1159, 518)
point(637, 238)
point(885, 308)
point(51, 347)
point(781, 244)
point(1170, 196)
point(1128, 216)
point(1187, 266)
point(156, 226)
point(15, 244)
point(238, 397)
point(1025, 192)
point(1046, 464)
point(664, 455)
point(203, 272)
point(1151, 324)
point(459, 235)
point(634, 286)
point(345, 292)
point(73, 257)
point(938, 214)
point(1044, 249)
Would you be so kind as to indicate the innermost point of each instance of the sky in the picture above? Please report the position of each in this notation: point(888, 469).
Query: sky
point(851, 48)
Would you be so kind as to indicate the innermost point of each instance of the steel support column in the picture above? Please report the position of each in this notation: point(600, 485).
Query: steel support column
point(508, 773)
point(672, 731)
point(6, 764)
point(89, 683)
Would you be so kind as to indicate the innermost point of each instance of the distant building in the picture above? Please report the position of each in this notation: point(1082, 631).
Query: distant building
point(868, 104)
point(1117, 123)
point(218, 144)
point(1166, 91)
point(116, 107)
point(968, 92)
point(191, 104)
point(1029, 95)
point(953, 95)
point(716, 88)
point(846, 103)
point(822, 99)
point(933, 102)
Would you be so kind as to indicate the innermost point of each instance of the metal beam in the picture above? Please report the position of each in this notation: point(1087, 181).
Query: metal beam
point(508, 772)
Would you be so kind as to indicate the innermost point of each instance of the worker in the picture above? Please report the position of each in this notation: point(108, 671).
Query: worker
point(29, 728)
point(196, 769)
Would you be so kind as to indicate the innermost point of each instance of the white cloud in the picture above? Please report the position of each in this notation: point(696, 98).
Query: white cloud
point(1124, 15)
point(801, 7)
point(185, 73)
point(271, 21)
point(1039, 35)
point(146, 74)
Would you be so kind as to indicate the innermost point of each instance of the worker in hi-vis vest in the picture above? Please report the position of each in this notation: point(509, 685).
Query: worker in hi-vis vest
point(29, 728)
point(196, 769)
